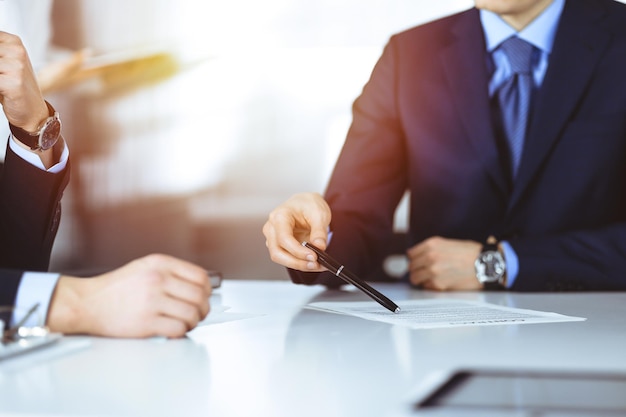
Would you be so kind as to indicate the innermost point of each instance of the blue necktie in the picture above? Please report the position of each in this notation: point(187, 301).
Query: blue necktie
point(514, 96)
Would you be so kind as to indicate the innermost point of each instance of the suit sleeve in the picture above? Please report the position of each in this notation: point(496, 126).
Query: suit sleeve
point(9, 283)
point(30, 212)
point(585, 260)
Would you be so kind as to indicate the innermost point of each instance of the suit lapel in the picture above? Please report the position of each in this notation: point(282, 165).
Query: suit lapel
point(464, 63)
point(578, 45)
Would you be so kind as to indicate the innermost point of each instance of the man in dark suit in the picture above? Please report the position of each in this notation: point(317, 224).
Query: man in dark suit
point(430, 120)
point(154, 295)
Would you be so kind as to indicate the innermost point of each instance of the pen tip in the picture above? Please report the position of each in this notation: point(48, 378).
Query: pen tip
point(397, 310)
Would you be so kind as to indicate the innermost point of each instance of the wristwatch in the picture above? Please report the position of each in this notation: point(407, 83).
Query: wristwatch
point(490, 266)
point(45, 137)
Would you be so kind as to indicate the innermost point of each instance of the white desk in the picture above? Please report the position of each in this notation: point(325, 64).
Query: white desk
point(290, 361)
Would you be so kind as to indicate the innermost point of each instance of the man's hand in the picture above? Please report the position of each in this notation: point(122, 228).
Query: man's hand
point(21, 99)
point(444, 264)
point(303, 217)
point(156, 295)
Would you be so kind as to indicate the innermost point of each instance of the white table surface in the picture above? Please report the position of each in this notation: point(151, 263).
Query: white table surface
point(269, 356)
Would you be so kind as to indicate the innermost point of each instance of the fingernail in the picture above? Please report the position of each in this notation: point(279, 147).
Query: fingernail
point(310, 258)
point(319, 242)
point(311, 265)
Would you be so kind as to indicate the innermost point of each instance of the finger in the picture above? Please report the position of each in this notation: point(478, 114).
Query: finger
point(307, 262)
point(189, 293)
point(181, 269)
point(419, 249)
point(319, 220)
point(421, 260)
point(433, 285)
point(420, 276)
point(9, 76)
point(167, 327)
point(282, 228)
point(184, 312)
point(417, 263)
point(318, 224)
point(282, 242)
point(14, 57)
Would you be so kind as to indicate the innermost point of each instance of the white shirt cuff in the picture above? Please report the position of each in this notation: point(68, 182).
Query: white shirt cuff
point(35, 287)
point(33, 159)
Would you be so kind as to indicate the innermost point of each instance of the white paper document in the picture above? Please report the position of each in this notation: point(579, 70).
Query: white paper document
point(221, 314)
point(430, 314)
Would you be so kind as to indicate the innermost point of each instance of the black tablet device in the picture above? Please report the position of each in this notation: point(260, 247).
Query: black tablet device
point(536, 392)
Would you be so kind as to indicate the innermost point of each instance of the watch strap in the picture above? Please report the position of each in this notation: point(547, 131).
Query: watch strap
point(489, 247)
point(27, 138)
point(494, 286)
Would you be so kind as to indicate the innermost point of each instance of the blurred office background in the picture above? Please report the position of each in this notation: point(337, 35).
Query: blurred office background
point(189, 120)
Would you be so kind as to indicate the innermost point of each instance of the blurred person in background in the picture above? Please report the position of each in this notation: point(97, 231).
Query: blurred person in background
point(157, 295)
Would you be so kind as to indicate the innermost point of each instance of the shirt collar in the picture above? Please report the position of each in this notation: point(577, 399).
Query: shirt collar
point(540, 32)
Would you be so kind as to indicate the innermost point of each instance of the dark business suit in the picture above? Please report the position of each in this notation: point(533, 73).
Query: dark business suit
point(424, 123)
point(30, 211)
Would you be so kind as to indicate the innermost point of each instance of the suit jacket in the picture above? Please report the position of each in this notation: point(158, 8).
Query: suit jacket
point(30, 211)
point(423, 123)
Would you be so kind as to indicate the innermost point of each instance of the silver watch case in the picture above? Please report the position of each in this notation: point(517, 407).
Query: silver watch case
point(490, 267)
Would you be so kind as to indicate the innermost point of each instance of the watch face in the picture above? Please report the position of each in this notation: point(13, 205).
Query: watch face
point(489, 266)
point(50, 133)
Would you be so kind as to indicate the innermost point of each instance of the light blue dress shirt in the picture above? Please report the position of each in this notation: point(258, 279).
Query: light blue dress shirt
point(540, 33)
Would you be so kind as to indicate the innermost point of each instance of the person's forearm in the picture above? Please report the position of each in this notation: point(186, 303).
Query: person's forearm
point(67, 313)
point(30, 213)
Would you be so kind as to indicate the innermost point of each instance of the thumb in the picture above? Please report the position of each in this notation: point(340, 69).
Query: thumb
point(319, 237)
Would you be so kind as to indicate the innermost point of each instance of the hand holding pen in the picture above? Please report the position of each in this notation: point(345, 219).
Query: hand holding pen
point(339, 270)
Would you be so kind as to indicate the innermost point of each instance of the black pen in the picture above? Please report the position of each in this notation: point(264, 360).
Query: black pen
point(339, 270)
